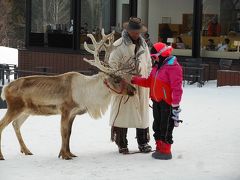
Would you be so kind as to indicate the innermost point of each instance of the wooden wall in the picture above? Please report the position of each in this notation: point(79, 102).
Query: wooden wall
point(55, 62)
point(60, 62)
point(213, 65)
point(228, 78)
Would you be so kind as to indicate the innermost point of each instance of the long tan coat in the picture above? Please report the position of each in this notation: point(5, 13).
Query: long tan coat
point(132, 112)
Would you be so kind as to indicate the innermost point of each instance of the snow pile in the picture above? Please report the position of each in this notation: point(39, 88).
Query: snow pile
point(8, 55)
point(206, 145)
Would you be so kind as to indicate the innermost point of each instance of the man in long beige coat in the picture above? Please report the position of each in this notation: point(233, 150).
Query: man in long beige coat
point(131, 112)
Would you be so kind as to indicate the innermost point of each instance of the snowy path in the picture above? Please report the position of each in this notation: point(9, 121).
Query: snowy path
point(207, 145)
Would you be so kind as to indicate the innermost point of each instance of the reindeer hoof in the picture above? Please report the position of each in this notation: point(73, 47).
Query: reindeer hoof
point(26, 152)
point(1, 158)
point(72, 155)
point(64, 156)
point(67, 158)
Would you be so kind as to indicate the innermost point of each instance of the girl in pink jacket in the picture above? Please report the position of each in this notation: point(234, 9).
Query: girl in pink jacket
point(165, 83)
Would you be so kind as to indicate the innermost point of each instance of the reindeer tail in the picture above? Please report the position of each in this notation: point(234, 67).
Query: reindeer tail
point(3, 93)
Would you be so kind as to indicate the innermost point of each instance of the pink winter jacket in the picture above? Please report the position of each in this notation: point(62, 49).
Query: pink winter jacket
point(164, 83)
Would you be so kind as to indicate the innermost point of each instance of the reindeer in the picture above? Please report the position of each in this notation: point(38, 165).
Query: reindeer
point(68, 94)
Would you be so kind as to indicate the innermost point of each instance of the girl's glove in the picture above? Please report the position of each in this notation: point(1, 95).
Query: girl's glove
point(175, 116)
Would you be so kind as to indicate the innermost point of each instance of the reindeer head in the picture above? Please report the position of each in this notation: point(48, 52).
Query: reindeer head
point(118, 85)
point(113, 80)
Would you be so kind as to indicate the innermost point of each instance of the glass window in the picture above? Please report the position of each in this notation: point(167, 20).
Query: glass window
point(122, 14)
point(172, 25)
point(51, 23)
point(220, 28)
point(95, 15)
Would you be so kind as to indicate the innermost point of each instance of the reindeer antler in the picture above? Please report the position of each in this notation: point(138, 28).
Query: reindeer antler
point(108, 47)
point(106, 43)
point(98, 46)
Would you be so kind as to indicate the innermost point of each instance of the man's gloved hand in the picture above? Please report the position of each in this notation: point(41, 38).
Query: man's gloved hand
point(175, 115)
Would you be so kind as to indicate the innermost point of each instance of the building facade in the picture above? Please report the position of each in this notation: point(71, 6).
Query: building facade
point(57, 29)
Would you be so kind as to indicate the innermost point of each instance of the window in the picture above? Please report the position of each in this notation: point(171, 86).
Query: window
point(51, 23)
point(95, 15)
point(122, 16)
point(122, 13)
point(172, 25)
point(220, 28)
point(65, 23)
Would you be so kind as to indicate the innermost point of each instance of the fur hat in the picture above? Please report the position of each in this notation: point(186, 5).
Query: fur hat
point(135, 24)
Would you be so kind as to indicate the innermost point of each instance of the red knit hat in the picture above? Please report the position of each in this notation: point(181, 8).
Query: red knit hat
point(162, 49)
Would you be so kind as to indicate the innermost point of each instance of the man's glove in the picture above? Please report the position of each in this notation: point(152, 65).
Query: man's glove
point(175, 116)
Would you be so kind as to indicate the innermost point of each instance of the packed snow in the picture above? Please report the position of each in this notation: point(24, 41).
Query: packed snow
point(206, 146)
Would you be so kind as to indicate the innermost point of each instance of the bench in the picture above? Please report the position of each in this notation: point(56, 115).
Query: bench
point(195, 72)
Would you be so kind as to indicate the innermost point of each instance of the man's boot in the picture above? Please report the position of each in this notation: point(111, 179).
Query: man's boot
point(119, 135)
point(143, 139)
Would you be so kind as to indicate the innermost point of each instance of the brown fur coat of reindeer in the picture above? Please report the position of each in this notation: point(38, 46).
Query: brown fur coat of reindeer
point(68, 94)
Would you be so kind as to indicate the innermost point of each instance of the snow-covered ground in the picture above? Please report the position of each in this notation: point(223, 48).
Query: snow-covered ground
point(207, 145)
point(8, 55)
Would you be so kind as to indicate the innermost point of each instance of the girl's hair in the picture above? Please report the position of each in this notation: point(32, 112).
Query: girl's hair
point(153, 51)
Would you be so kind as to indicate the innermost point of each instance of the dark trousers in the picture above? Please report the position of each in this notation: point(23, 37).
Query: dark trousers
point(120, 136)
point(163, 123)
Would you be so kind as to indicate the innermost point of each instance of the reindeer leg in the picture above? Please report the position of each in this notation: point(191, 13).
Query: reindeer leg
point(69, 135)
point(64, 132)
point(9, 117)
point(17, 125)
